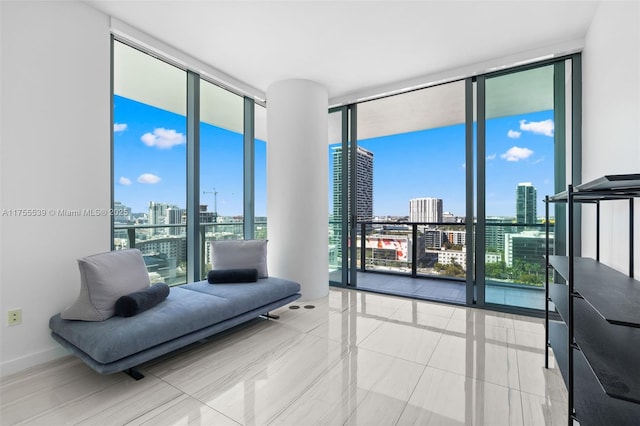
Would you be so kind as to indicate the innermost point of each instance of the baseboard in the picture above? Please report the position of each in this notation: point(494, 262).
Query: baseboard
point(8, 368)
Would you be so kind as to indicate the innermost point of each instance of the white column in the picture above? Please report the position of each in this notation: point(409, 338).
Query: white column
point(297, 184)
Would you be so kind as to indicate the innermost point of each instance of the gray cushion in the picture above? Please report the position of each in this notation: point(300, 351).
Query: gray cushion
point(248, 296)
point(240, 254)
point(104, 278)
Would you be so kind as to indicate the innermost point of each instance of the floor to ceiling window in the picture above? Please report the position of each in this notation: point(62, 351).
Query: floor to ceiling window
point(450, 182)
point(524, 146)
point(260, 187)
point(149, 161)
point(339, 195)
point(221, 167)
point(410, 191)
point(189, 165)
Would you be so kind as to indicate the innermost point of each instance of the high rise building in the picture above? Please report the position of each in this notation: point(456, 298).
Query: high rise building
point(121, 213)
point(425, 210)
point(364, 184)
point(176, 216)
point(495, 230)
point(526, 196)
point(206, 216)
point(158, 215)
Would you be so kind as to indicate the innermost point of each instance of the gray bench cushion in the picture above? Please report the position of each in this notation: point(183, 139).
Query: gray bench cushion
point(248, 296)
point(181, 313)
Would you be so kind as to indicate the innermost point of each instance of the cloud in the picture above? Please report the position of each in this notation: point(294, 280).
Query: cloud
point(119, 127)
point(545, 127)
point(515, 153)
point(514, 134)
point(464, 165)
point(148, 178)
point(163, 138)
point(492, 156)
point(124, 181)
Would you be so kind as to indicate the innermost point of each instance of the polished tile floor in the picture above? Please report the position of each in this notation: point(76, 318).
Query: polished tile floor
point(355, 358)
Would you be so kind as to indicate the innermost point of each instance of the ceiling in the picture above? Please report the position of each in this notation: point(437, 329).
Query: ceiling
point(354, 48)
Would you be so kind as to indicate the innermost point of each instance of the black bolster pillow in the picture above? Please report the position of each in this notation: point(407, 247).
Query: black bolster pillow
point(232, 276)
point(140, 301)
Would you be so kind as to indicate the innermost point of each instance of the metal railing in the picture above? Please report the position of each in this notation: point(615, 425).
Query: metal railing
point(514, 254)
point(164, 247)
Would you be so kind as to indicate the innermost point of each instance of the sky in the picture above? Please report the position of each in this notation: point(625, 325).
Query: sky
point(150, 163)
point(431, 163)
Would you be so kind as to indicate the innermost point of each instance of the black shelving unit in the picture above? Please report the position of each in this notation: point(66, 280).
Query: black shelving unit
point(597, 340)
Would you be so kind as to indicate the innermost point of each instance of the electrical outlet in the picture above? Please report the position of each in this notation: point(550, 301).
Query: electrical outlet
point(15, 317)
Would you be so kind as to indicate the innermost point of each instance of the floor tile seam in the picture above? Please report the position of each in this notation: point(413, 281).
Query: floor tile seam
point(382, 322)
point(147, 374)
point(433, 351)
point(181, 395)
point(547, 397)
point(384, 354)
point(293, 328)
point(413, 391)
point(520, 381)
point(474, 378)
point(251, 362)
point(254, 361)
point(205, 352)
point(69, 403)
point(398, 357)
point(321, 375)
point(339, 340)
point(213, 408)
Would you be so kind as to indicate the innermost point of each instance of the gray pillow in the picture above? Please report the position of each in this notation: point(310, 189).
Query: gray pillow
point(104, 278)
point(240, 254)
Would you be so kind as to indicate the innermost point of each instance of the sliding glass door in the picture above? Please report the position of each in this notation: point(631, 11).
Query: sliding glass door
point(522, 146)
point(448, 184)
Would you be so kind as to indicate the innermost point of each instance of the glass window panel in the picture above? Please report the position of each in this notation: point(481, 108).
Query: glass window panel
point(260, 186)
point(411, 169)
point(335, 201)
point(519, 172)
point(149, 161)
point(221, 167)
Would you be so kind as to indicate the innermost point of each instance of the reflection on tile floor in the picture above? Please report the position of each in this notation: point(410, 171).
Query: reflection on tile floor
point(357, 358)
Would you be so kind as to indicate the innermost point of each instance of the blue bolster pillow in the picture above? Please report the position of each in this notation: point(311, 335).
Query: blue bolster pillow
point(140, 301)
point(232, 276)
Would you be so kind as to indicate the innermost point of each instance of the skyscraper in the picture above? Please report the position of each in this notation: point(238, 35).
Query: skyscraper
point(425, 210)
point(526, 196)
point(364, 184)
point(175, 216)
point(158, 215)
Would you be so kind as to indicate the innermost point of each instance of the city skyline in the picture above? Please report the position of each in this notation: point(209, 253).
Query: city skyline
point(150, 163)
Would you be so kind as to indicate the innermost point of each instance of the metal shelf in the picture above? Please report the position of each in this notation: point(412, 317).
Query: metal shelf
point(613, 294)
point(610, 187)
point(560, 295)
point(592, 405)
point(600, 307)
point(558, 340)
point(611, 351)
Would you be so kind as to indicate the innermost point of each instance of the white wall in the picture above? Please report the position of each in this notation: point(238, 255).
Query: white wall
point(55, 154)
point(611, 122)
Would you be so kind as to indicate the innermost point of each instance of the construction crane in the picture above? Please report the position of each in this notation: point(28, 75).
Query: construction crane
point(215, 202)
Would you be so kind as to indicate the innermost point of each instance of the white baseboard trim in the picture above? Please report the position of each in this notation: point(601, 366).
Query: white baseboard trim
point(8, 368)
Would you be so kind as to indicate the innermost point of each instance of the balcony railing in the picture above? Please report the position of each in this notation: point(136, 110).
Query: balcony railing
point(164, 247)
point(513, 256)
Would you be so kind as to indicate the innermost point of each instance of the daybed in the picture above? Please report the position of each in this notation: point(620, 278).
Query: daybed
point(110, 343)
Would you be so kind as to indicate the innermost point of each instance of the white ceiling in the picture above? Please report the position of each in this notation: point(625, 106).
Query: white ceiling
point(354, 48)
